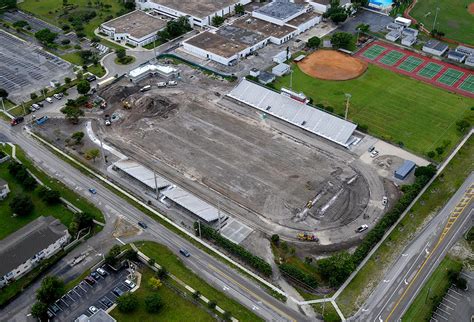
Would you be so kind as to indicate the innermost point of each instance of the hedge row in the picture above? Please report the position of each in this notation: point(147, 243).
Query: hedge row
point(254, 261)
point(299, 275)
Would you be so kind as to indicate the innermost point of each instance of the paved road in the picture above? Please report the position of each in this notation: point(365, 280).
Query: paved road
point(212, 270)
point(400, 285)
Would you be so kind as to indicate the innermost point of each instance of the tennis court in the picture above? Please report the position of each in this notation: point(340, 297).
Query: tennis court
point(450, 77)
point(391, 58)
point(410, 64)
point(468, 84)
point(374, 52)
point(430, 70)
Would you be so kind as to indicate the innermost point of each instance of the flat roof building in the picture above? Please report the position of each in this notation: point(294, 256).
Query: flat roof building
point(24, 249)
point(456, 56)
point(465, 50)
point(136, 28)
point(99, 316)
point(435, 47)
point(150, 70)
point(279, 12)
point(266, 77)
point(200, 12)
point(405, 169)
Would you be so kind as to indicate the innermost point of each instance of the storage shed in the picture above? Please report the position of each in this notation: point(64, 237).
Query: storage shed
point(405, 169)
point(435, 47)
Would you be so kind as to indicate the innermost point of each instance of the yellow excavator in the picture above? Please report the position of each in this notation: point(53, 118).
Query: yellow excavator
point(126, 105)
point(307, 237)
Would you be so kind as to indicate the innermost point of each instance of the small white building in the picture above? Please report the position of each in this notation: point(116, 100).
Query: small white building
point(410, 32)
point(403, 21)
point(266, 77)
point(281, 57)
point(23, 250)
point(254, 72)
point(456, 56)
point(281, 69)
point(469, 61)
point(408, 41)
point(136, 28)
point(393, 35)
point(394, 26)
point(435, 47)
point(279, 12)
point(152, 70)
point(4, 189)
point(465, 50)
point(322, 6)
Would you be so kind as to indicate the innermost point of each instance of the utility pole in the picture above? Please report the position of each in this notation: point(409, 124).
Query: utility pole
point(102, 148)
point(436, 16)
point(219, 216)
point(199, 228)
point(3, 105)
point(348, 98)
point(156, 185)
point(291, 77)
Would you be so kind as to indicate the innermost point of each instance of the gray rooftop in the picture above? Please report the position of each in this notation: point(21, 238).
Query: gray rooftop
point(456, 54)
point(436, 45)
point(99, 316)
point(28, 241)
point(280, 10)
point(244, 36)
point(197, 8)
point(192, 203)
point(294, 112)
point(266, 76)
point(405, 168)
point(142, 174)
point(137, 24)
point(465, 50)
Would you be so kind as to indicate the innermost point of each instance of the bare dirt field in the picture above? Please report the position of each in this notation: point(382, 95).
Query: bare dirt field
point(187, 132)
point(470, 8)
point(332, 65)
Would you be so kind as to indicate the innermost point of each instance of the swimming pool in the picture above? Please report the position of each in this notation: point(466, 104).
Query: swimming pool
point(381, 3)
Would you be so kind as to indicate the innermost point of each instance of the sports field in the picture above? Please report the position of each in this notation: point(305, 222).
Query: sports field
point(426, 69)
point(393, 106)
point(453, 18)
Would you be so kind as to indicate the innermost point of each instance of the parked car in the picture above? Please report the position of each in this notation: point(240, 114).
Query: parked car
point(41, 120)
point(36, 106)
point(161, 84)
point(58, 96)
point(95, 275)
point(117, 291)
point(145, 88)
point(17, 120)
point(184, 252)
point(384, 201)
point(93, 309)
point(91, 78)
point(89, 280)
point(129, 283)
point(105, 301)
point(49, 100)
point(361, 228)
point(101, 271)
point(374, 153)
point(172, 83)
point(54, 308)
point(32, 108)
point(40, 104)
point(372, 148)
point(142, 224)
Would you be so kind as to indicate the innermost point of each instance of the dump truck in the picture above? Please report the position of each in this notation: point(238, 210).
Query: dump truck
point(307, 237)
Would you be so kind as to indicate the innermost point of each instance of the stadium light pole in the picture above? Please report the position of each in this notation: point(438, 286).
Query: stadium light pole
point(348, 98)
point(436, 17)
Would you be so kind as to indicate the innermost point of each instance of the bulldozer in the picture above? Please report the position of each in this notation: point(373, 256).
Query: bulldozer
point(126, 105)
point(307, 237)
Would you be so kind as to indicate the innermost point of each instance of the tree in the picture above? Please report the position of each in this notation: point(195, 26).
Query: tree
point(211, 304)
point(363, 27)
point(39, 310)
point(77, 137)
point(338, 17)
point(162, 273)
point(46, 36)
point(51, 197)
point(121, 53)
point(217, 21)
point(3, 93)
point(151, 262)
point(83, 87)
point(92, 154)
point(154, 283)
point(127, 303)
point(313, 42)
point(227, 316)
point(33, 96)
point(336, 268)
point(463, 125)
point(111, 257)
point(239, 9)
point(20, 24)
point(431, 154)
point(7, 4)
point(196, 295)
point(342, 40)
point(21, 205)
point(153, 303)
point(83, 220)
point(52, 288)
point(72, 112)
point(275, 239)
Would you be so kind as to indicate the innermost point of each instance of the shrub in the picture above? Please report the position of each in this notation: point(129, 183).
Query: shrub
point(127, 303)
point(153, 303)
point(51, 197)
point(21, 205)
point(299, 275)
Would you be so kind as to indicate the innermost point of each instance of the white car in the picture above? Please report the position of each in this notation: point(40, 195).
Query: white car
point(374, 153)
point(384, 201)
point(129, 283)
point(161, 84)
point(101, 271)
point(36, 106)
point(58, 96)
point(172, 83)
point(49, 100)
point(361, 228)
point(93, 309)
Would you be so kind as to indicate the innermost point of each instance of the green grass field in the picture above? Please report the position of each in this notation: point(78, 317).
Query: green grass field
point(175, 308)
point(453, 18)
point(436, 286)
point(434, 198)
point(173, 264)
point(394, 107)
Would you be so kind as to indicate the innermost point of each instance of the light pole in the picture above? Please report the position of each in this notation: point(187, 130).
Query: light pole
point(3, 105)
point(291, 77)
point(436, 17)
point(348, 98)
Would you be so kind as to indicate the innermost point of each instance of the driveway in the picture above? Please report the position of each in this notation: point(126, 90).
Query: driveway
point(376, 21)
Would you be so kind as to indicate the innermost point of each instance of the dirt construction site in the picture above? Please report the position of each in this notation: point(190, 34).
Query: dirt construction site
point(273, 178)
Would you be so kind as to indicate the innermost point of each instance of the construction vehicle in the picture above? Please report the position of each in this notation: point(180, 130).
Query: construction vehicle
point(126, 105)
point(307, 237)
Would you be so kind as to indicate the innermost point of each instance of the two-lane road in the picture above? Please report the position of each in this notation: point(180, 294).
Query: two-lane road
point(401, 283)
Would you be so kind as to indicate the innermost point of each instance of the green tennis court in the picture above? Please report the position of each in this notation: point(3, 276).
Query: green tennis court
point(430, 70)
point(391, 58)
point(468, 84)
point(374, 52)
point(410, 64)
point(450, 77)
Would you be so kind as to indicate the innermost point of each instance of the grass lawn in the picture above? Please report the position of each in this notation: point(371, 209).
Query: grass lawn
point(74, 58)
point(10, 224)
point(436, 287)
point(453, 18)
point(176, 308)
point(435, 197)
point(394, 107)
point(328, 311)
point(173, 264)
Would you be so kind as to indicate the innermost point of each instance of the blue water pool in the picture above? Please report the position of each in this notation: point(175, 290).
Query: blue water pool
point(381, 3)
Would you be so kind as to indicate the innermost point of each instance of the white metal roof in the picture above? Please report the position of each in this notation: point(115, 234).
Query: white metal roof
point(192, 203)
point(151, 68)
point(142, 174)
point(294, 112)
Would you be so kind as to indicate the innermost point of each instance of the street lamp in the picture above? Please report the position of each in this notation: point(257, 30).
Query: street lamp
point(348, 98)
point(436, 16)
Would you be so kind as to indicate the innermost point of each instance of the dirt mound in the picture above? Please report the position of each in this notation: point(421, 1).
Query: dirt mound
point(152, 106)
point(332, 65)
point(117, 94)
point(470, 8)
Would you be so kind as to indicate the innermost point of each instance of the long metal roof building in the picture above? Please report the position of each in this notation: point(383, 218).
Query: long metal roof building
point(297, 113)
point(192, 203)
point(142, 174)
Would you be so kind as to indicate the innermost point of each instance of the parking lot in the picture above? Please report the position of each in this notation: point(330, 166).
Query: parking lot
point(99, 294)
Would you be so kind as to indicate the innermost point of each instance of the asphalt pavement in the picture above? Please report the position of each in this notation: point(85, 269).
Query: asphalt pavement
point(213, 271)
point(401, 283)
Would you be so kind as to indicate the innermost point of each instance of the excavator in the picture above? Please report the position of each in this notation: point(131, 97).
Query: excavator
point(307, 237)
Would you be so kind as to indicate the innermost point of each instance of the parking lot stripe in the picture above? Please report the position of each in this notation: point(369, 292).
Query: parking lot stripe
point(443, 311)
point(453, 290)
point(447, 306)
point(450, 301)
point(441, 316)
point(454, 297)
